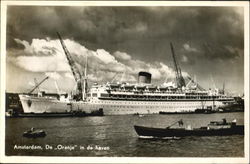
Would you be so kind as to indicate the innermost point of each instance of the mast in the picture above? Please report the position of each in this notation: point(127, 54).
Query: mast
point(85, 84)
point(179, 79)
point(76, 73)
point(223, 88)
point(57, 88)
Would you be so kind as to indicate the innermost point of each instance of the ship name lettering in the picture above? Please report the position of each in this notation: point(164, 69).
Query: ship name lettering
point(66, 147)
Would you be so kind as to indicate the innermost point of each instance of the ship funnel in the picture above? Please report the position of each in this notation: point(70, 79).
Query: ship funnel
point(144, 77)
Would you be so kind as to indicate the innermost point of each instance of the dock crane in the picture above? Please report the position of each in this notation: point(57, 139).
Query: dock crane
point(179, 78)
point(81, 86)
point(37, 85)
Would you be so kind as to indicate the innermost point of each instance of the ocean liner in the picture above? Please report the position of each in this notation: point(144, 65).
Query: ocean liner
point(124, 98)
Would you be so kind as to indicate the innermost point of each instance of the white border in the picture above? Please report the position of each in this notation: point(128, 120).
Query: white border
point(19, 159)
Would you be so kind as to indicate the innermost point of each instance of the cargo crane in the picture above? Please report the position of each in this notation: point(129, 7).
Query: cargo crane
point(179, 78)
point(37, 85)
point(81, 87)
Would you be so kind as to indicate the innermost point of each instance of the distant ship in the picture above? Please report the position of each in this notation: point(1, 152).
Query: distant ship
point(124, 98)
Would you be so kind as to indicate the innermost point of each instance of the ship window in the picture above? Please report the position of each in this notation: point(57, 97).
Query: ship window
point(104, 95)
point(94, 94)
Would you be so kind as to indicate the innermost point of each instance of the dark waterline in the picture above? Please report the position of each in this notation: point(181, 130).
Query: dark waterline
point(114, 136)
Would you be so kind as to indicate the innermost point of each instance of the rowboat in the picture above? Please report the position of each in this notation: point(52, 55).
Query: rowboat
point(214, 128)
point(32, 133)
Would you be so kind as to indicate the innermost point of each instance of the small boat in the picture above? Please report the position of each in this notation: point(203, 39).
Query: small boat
point(214, 128)
point(32, 133)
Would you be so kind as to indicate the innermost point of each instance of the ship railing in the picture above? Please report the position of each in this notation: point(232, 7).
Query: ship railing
point(147, 91)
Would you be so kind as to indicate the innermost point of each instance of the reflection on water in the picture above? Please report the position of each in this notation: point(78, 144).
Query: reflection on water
point(115, 136)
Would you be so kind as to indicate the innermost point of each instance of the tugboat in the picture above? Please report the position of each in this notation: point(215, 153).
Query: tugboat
point(214, 128)
point(34, 133)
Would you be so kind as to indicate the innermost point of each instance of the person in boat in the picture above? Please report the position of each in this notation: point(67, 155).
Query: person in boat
point(180, 122)
point(234, 122)
point(224, 121)
point(32, 129)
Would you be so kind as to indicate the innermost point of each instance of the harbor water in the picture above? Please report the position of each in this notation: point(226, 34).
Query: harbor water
point(114, 136)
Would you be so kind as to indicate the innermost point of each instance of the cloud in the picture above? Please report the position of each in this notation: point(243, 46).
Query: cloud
point(105, 56)
point(102, 64)
point(31, 83)
point(130, 29)
point(25, 44)
point(130, 38)
point(122, 55)
point(184, 59)
point(226, 52)
point(53, 75)
point(69, 75)
point(38, 47)
point(40, 64)
point(188, 48)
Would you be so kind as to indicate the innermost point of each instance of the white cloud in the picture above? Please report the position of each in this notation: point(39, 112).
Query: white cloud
point(53, 75)
point(69, 75)
point(185, 74)
point(122, 55)
point(41, 64)
point(48, 56)
point(156, 74)
point(184, 59)
point(187, 47)
point(167, 71)
point(105, 56)
point(94, 78)
point(25, 44)
point(232, 49)
point(31, 83)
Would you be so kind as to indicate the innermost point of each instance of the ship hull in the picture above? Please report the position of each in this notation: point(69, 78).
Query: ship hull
point(51, 105)
point(111, 107)
point(32, 104)
point(164, 132)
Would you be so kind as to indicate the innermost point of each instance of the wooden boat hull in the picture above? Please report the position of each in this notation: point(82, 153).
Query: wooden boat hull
point(161, 132)
point(34, 134)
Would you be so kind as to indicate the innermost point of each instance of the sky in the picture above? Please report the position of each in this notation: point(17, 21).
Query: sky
point(121, 41)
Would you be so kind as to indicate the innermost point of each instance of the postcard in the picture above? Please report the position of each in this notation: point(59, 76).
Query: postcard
point(124, 82)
